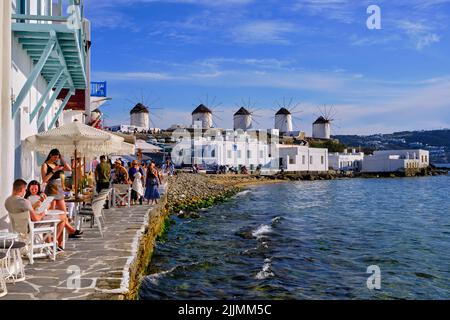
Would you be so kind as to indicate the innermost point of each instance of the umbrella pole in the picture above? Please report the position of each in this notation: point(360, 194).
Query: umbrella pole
point(140, 156)
point(75, 174)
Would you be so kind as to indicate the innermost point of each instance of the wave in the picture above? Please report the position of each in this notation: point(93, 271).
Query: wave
point(266, 271)
point(262, 231)
point(243, 193)
point(153, 278)
point(276, 220)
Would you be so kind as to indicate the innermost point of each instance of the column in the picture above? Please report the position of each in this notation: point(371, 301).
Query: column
point(6, 121)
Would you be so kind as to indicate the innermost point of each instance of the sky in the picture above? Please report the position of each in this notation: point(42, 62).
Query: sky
point(305, 54)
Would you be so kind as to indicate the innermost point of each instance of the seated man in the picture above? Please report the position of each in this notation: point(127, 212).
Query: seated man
point(16, 203)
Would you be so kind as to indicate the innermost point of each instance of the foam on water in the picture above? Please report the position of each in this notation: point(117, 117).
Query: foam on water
point(266, 271)
point(243, 193)
point(262, 231)
point(153, 278)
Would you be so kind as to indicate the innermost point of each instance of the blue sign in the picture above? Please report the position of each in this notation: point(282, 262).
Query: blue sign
point(98, 89)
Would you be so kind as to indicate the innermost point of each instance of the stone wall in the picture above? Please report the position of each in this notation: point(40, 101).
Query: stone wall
point(146, 245)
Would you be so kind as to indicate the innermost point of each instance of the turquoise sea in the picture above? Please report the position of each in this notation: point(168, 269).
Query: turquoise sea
point(312, 240)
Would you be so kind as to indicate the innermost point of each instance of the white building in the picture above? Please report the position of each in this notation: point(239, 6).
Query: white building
point(203, 115)
point(295, 158)
point(237, 148)
point(43, 67)
point(396, 161)
point(140, 117)
point(322, 128)
point(346, 161)
point(242, 119)
point(283, 120)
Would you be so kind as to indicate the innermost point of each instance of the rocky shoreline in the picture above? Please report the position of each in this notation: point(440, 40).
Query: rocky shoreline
point(189, 192)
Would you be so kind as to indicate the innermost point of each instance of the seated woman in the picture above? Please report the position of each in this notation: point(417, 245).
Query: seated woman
point(36, 197)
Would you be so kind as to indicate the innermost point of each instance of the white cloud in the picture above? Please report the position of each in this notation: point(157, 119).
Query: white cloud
point(419, 32)
point(339, 10)
point(263, 32)
point(134, 76)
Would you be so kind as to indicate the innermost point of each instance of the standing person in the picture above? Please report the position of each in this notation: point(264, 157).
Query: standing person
point(120, 173)
point(94, 164)
point(135, 168)
point(168, 168)
point(152, 183)
point(137, 188)
point(52, 172)
point(102, 175)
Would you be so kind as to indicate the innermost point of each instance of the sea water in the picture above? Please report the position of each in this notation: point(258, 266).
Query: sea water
point(312, 240)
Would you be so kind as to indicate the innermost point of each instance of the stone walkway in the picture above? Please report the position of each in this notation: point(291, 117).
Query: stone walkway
point(102, 263)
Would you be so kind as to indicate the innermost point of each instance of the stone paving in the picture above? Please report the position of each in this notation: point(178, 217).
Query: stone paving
point(103, 263)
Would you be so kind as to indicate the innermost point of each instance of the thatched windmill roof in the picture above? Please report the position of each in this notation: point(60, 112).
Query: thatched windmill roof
point(321, 120)
point(283, 111)
point(242, 112)
point(201, 109)
point(139, 108)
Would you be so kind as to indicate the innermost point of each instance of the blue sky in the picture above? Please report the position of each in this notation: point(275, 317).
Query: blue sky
point(317, 52)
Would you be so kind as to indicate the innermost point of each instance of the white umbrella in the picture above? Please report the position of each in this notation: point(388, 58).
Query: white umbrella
point(146, 147)
point(86, 140)
point(143, 146)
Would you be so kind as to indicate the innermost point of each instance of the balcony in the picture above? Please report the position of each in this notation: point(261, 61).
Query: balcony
point(57, 44)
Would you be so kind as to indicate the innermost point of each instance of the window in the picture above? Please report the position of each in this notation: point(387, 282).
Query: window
point(310, 159)
point(239, 154)
point(213, 153)
point(322, 159)
point(261, 154)
point(229, 154)
point(303, 159)
point(22, 6)
point(291, 160)
point(249, 154)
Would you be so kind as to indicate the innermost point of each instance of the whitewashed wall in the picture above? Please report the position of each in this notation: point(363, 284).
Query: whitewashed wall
point(322, 130)
point(378, 164)
point(140, 120)
point(345, 161)
point(303, 158)
point(27, 165)
point(422, 155)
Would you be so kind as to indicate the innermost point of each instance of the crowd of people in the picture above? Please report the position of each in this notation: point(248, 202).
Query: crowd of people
point(145, 180)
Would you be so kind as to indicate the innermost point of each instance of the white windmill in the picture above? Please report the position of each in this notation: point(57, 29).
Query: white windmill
point(140, 116)
point(140, 113)
point(243, 119)
point(204, 113)
point(284, 116)
point(322, 125)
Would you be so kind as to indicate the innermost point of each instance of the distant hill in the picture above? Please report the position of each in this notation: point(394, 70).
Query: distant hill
point(436, 141)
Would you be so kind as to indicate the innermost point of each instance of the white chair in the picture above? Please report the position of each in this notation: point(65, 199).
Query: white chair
point(58, 213)
point(122, 194)
point(97, 209)
point(3, 289)
point(108, 193)
point(35, 234)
